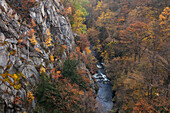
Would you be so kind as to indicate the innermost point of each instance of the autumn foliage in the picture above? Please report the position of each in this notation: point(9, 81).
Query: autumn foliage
point(64, 95)
point(131, 38)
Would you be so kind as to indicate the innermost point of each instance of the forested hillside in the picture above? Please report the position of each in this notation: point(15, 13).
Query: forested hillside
point(131, 37)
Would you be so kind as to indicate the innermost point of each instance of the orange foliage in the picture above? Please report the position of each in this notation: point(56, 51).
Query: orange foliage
point(143, 106)
point(88, 102)
point(31, 32)
point(55, 74)
point(32, 24)
point(82, 42)
point(70, 93)
point(152, 106)
point(86, 79)
point(26, 4)
point(17, 100)
point(67, 11)
point(22, 41)
point(73, 55)
point(77, 49)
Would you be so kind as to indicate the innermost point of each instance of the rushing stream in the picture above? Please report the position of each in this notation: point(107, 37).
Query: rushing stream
point(105, 93)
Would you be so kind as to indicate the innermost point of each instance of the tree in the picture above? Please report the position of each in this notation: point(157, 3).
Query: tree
point(77, 14)
point(106, 20)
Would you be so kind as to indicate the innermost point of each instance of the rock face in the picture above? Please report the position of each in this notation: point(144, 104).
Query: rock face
point(27, 46)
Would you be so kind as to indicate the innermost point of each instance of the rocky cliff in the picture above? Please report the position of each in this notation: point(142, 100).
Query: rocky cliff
point(28, 45)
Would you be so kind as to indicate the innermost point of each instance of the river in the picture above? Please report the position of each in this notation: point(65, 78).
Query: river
point(105, 93)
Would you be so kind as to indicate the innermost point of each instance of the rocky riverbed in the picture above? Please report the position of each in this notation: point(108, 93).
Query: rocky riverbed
point(105, 93)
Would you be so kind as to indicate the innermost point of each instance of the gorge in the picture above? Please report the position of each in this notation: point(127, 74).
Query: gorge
point(84, 56)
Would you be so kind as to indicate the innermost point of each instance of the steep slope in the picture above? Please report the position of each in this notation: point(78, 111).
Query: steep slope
point(27, 46)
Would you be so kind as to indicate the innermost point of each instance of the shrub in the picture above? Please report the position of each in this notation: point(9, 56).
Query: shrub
point(70, 72)
point(61, 97)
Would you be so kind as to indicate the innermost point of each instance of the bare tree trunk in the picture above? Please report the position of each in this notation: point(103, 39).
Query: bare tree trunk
point(135, 56)
point(148, 91)
point(153, 68)
point(139, 58)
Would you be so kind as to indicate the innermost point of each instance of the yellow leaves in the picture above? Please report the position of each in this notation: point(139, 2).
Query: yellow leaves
point(110, 43)
point(37, 49)
point(81, 92)
point(48, 38)
point(33, 40)
point(15, 76)
point(88, 51)
point(42, 69)
point(52, 57)
point(145, 39)
point(30, 96)
point(11, 53)
point(106, 19)
point(17, 86)
point(78, 26)
point(167, 9)
point(100, 6)
point(100, 19)
point(164, 16)
point(58, 72)
point(31, 34)
point(48, 42)
point(161, 17)
point(105, 55)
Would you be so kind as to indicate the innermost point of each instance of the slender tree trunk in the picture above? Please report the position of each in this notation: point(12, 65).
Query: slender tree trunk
point(153, 68)
point(139, 52)
point(135, 56)
point(139, 58)
point(148, 91)
point(151, 86)
point(108, 33)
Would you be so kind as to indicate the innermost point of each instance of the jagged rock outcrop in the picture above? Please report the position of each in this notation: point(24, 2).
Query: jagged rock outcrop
point(27, 47)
